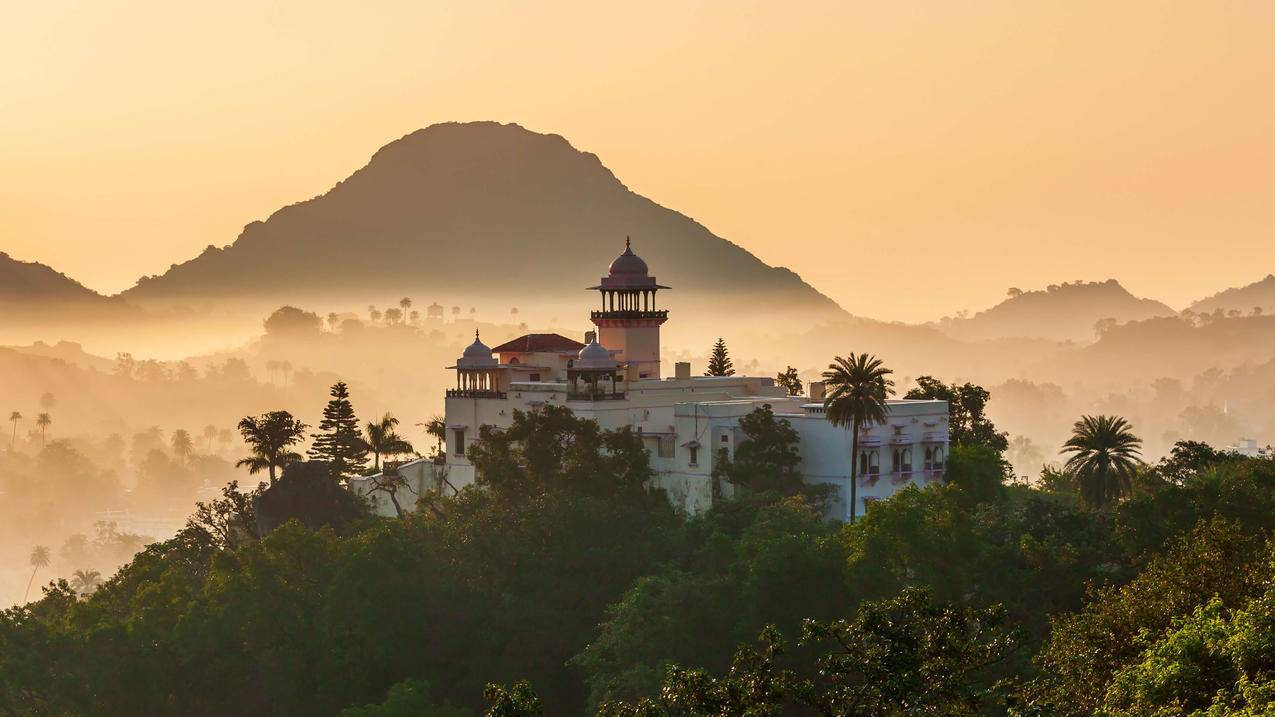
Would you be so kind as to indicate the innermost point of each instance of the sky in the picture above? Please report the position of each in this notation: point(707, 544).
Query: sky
point(907, 159)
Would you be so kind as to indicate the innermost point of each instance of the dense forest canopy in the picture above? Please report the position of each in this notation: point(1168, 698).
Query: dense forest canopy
point(562, 585)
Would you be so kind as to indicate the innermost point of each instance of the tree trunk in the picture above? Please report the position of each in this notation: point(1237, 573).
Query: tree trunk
point(14, 437)
point(854, 469)
point(28, 592)
point(271, 474)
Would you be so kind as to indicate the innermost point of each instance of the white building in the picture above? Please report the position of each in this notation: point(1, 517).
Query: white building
point(615, 378)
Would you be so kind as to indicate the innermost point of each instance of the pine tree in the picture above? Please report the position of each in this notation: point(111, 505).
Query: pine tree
point(338, 440)
point(719, 363)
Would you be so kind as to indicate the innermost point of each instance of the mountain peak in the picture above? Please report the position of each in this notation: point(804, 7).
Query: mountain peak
point(475, 210)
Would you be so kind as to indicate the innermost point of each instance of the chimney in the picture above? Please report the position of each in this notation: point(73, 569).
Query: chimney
point(590, 337)
point(682, 370)
point(816, 391)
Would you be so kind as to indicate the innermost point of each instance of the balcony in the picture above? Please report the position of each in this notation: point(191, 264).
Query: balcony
point(869, 441)
point(934, 475)
point(901, 439)
point(466, 393)
point(901, 477)
point(661, 314)
point(935, 437)
point(870, 478)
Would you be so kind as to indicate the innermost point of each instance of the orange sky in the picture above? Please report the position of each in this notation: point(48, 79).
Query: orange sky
point(907, 159)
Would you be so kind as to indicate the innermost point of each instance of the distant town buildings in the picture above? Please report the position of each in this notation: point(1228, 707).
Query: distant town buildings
point(615, 377)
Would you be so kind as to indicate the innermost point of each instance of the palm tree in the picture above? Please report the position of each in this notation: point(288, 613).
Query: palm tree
point(43, 420)
point(857, 389)
point(383, 440)
point(1106, 454)
point(405, 303)
point(182, 444)
point(14, 417)
point(210, 432)
point(86, 581)
point(39, 559)
point(269, 437)
point(438, 429)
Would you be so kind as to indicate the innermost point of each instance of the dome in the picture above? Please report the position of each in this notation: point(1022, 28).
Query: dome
point(628, 263)
point(477, 355)
point(595, 356)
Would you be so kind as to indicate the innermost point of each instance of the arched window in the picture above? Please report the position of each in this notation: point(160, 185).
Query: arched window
point(938, 458)
point(869, 463)
point(903, 460)
point(514, 360)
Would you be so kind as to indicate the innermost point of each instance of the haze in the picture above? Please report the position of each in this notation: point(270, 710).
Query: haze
point(1023, 144)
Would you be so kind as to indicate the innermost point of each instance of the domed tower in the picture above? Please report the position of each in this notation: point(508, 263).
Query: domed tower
point(629, 323)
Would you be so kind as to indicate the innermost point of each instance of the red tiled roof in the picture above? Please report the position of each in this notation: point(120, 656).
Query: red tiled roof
point(539, 343)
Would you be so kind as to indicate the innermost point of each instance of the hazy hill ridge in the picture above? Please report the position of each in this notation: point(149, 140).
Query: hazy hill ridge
point(35, 282)
point(1061, 312)
point(476, 208)
point(1242, 298)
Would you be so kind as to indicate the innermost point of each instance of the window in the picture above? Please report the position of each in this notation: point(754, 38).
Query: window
point(458, 436)
point(869, 463)
point(694, 455)
point(934, 459)
point(725, 438)
point(903, 460)
point(514, 360)
point(665, 447)
point(534, 377)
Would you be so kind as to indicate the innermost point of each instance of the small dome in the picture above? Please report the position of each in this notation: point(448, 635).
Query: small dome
point(628, 263)
point(476, 355)
point(594, 356)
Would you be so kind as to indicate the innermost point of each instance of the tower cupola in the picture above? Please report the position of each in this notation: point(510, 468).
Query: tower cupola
point(629, 321)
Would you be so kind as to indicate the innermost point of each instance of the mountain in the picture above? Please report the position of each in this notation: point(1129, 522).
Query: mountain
point(30, 290)
point(474, 212)
point(1062, 312)
point(1243, 299)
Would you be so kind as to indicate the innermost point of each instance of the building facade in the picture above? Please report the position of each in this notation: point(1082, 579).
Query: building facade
point(687, 422)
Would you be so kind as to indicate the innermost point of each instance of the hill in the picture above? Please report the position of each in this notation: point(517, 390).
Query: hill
point(1061, 312)
point(1259, 294)
point(472, 213)
point(31, 292)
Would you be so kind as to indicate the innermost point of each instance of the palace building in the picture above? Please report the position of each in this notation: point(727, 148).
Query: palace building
point(687, 422)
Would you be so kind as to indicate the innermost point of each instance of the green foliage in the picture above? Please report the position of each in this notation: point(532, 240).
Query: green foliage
point(968, 424)
point(518, 700)
point(551, 450)
point(1086, 649)
point(857, 388)
point(978, 470)
point(719, 363)
point(339, 441)
point(907, 655)
point(409, 698)
point(767, 459)
point(1105, 456)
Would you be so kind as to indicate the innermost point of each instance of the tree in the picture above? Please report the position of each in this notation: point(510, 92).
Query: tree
point(789, 381)
point(767, 459)
point(966, 406)
point(210, 432)
point(14, 417)
point(182, 445)
point(333, 321)
point(405, 304)
point(383, 440)
point(339, 441)
point(519, 700)
point(269, 437)
point(857, 388)
point(1105, 457)
point(437, 428)
point(85, 581)
point(291, 322)
point(39, 558)
point(393, 316)
point(43, 420)
point(903, 656)
point(719, 363)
